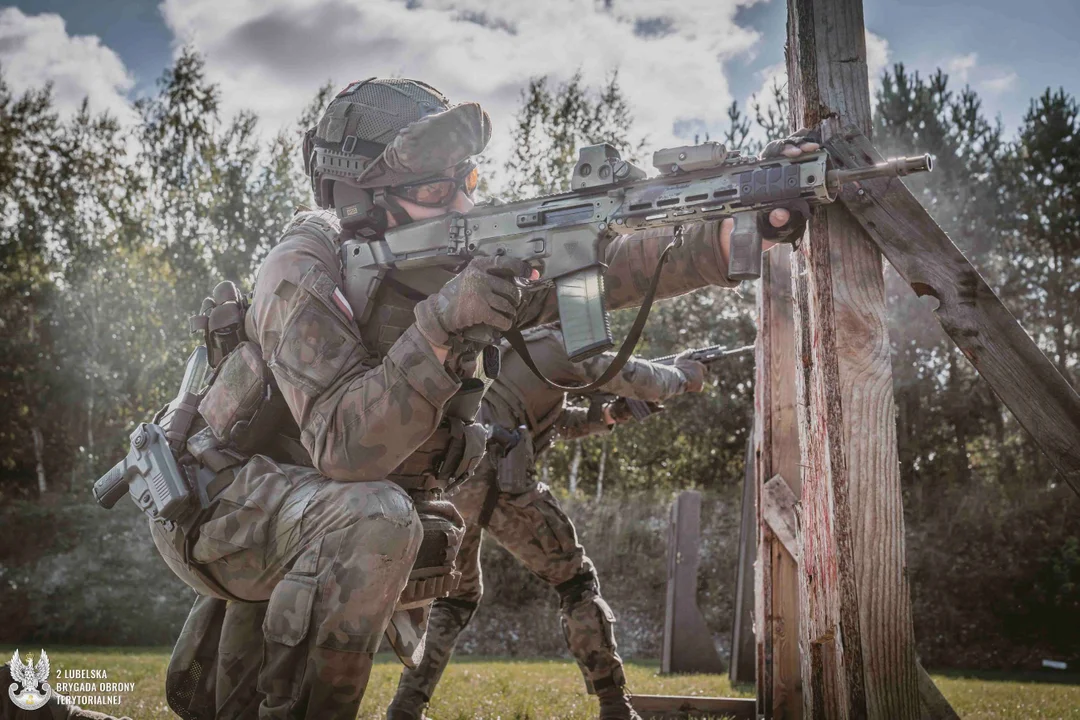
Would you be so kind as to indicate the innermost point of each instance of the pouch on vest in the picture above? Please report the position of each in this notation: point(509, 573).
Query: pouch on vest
point(468, 439)
point(238, 407)
point(221, 320)
point(515, 472)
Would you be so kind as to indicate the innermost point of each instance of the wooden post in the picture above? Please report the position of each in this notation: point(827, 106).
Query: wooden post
point(688, 644)
point(855, 606)
point(741, 667)
point(779, 682)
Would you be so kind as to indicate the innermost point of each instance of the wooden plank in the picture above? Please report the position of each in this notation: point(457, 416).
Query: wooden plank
point(986, 332)
point(779, 677)
point(688, 643)
point(778, 509)
point(932, 704)
point(670, 706)
point(856, 606)
point(741, 667)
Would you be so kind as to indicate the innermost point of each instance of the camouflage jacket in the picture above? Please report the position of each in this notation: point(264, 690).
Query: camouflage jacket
point(364, 406)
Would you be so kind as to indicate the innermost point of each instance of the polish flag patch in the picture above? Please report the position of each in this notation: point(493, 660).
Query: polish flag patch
point(343, 305)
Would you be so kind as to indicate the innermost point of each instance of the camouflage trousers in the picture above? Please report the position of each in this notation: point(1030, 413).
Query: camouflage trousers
point(538, 533)
point(314, 567)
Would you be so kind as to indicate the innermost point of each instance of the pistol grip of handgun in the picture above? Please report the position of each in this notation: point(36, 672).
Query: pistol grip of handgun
point(111, 486)
point(744, 256)
point(586, 327)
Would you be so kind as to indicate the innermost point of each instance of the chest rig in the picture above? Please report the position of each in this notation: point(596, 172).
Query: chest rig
point(382, 304)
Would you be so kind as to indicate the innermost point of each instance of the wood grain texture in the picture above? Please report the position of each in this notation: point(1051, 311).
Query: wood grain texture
point(776, 434)
point(741, 668)
point(778, 509)
point(669, 706)
point(974, 317)
point(856, 609)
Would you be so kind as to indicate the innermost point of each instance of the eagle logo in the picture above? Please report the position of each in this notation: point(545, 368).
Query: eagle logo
point(33, 679)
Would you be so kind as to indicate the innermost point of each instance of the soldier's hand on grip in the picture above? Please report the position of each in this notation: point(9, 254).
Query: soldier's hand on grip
point(483, 294)
point(624, 410)
point(693, 371)
point(783, 226)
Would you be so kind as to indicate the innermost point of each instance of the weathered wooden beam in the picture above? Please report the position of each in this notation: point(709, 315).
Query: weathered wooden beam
point(932, 704)
point(741, 667)
point(670, 706)
point(779, 678)
point(778, 509)
point(855, 603)
point(974, 317)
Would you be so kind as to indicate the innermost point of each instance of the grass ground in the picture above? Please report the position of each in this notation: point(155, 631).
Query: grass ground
point(542, 689)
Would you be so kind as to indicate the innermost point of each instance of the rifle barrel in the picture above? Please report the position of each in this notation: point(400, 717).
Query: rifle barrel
point(720, 350)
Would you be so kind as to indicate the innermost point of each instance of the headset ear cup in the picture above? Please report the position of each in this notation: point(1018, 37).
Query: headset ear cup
point(308, 150)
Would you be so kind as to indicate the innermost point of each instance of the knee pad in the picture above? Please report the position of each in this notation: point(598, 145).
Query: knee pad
point(578, 589)
point(588, 626)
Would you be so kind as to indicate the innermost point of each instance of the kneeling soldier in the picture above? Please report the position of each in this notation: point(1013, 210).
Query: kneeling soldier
point(504, 498)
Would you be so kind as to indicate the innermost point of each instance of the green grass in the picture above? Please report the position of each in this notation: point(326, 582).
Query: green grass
point(540, 689)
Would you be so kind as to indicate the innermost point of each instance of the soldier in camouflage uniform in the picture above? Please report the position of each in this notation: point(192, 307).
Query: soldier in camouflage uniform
point(504, 498)
point(316, 515)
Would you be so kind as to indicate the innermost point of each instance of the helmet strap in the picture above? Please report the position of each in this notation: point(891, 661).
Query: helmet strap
point(389, 203)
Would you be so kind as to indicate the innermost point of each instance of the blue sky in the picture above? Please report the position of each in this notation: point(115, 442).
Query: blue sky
point(677, 76)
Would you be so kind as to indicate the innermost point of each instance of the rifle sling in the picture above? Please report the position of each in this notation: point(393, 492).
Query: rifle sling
point(513, 336)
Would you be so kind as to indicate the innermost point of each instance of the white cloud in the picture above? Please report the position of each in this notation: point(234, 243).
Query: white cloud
point(960, 67)
point(271, 55)
point(35, 49)
point(878, 56)
point(999, 83)
point(990, 80)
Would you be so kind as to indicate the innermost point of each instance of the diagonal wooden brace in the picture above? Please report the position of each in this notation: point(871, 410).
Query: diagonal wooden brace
point(974, 317)
point(778, 508)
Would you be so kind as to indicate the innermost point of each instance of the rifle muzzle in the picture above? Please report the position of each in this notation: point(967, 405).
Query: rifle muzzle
point(894, 167)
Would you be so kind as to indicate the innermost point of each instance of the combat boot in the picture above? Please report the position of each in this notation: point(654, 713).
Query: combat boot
point(408, 704)
point(615, 704)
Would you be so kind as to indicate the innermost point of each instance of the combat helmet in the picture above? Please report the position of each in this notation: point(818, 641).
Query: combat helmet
point(385, 133)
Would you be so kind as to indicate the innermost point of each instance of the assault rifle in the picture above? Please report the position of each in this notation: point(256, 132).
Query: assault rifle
point(563, 236)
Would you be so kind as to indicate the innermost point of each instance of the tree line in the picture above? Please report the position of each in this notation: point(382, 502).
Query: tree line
point(111, 235)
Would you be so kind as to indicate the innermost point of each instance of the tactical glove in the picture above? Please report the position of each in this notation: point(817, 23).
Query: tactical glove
point(800, 137)
point(484, 295)
point(693, 371)
point(793, 231)
point(626, 409)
